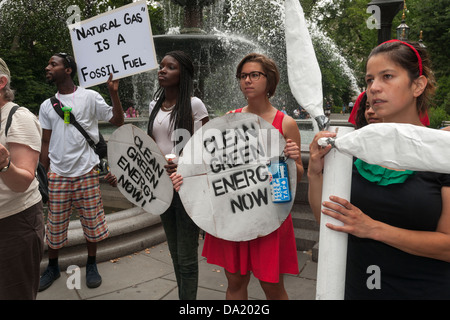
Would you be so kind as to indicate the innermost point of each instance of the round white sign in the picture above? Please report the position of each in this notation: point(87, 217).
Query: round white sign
point(227, 167)
point(137, 162)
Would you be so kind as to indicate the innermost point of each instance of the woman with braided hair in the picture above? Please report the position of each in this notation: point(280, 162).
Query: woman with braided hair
point(175, 110)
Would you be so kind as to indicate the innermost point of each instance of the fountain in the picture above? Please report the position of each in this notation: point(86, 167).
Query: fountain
point(213, 54)
point(217, 45)
point(193, 14)
point(227, 32)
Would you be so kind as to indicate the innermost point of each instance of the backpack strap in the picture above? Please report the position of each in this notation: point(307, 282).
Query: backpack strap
point(57, 106)
point(55, 103)
point(9, 120)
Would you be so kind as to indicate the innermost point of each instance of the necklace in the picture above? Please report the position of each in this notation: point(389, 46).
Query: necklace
point(167, 113)
point(164, 107)
point(166, 110)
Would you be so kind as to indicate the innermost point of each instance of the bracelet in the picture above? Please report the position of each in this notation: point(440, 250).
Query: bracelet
point(7, 167)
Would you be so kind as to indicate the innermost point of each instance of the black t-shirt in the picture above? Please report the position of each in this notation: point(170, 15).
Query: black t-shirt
point(415, 204)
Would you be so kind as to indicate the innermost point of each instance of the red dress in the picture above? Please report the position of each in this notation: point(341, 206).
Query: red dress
point(267, 257)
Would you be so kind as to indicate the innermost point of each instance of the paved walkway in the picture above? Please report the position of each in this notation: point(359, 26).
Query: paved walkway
point(148, 275)
point(340, 116)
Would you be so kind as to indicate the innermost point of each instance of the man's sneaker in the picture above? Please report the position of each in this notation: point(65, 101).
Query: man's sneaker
point(93, 278)
point(50, 274)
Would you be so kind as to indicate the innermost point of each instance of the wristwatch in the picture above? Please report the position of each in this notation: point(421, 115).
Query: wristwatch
point(4, 169)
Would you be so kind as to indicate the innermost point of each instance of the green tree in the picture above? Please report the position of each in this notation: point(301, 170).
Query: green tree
point(30, 32)
point(345, 22)
point(433, 18)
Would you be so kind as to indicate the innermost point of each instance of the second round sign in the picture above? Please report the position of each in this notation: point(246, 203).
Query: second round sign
point(234, 185)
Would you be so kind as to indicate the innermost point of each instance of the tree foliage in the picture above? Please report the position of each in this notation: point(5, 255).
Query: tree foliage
point(31, 31)
point(345, 22)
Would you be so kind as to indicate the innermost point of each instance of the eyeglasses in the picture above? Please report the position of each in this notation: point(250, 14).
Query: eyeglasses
point(254, 75)
point(65, 56)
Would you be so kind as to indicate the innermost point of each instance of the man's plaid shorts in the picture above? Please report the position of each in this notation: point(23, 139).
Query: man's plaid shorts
point(83, 193)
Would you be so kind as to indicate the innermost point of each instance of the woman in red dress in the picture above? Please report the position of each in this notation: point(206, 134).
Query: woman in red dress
point(268, 257)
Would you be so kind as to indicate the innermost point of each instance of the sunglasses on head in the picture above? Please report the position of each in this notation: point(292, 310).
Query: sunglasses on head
point(66, 57)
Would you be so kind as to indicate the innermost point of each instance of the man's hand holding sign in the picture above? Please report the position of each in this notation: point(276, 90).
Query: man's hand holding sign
point(118, 42)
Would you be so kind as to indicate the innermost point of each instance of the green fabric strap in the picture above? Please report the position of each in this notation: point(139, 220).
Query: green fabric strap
point(380, 175)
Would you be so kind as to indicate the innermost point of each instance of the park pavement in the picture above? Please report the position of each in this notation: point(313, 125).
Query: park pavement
point(149, 275)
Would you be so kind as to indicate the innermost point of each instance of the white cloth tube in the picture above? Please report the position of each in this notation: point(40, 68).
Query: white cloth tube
point(331, 269)
point(305, 78)
point(399, 146)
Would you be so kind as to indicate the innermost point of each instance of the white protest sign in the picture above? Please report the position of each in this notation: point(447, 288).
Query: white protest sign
point(137, 162)
point(226, 182)
point(118, 42)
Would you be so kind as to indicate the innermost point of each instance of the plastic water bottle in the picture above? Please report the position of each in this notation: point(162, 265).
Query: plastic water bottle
point(66, 111)
point(279, 181)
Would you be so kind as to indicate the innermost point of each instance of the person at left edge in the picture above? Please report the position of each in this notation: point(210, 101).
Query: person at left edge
point(72, 164)
point(21, 218)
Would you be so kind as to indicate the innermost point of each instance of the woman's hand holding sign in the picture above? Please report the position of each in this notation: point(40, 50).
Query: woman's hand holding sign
point(292, 150)
point(177, 180)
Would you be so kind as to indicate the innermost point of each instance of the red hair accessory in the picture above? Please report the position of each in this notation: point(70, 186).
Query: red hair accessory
point(412, 48)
